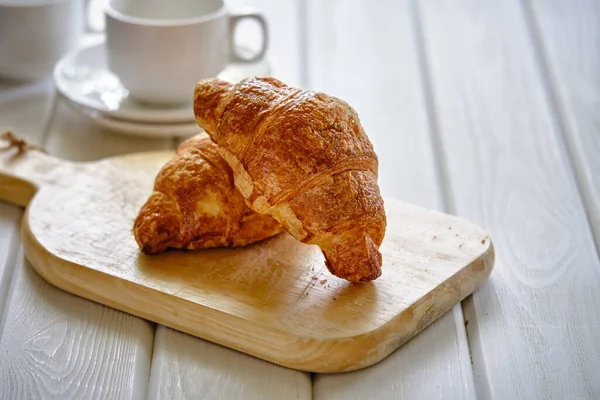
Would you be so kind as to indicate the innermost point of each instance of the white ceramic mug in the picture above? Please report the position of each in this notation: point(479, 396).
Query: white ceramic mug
point(160, 49)
point(35, 34)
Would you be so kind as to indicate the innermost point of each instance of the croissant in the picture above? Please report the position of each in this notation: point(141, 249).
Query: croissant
point(195, 205)
point(303, 158)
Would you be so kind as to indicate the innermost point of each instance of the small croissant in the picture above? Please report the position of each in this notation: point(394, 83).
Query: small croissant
point(195, 205)
point(303, 158)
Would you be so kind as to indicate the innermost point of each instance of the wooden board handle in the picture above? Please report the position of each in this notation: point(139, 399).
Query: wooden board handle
point(24, 169)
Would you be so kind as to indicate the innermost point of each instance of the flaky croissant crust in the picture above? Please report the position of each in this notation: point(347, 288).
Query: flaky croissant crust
point(303, 158)
point(195, 205)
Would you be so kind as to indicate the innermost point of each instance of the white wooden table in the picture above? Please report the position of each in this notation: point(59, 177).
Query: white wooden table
point(485, 109)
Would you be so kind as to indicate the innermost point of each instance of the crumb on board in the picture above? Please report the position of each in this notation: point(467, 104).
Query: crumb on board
point(323, 281)
point(314, 277)
point(335, 298)
point(483, 240)
point(466, 322)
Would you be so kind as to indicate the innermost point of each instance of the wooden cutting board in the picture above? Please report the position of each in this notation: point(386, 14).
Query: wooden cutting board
point(274, 300)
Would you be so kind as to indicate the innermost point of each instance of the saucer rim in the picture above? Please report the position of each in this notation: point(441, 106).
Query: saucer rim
point(143, 115)
point(136, 128)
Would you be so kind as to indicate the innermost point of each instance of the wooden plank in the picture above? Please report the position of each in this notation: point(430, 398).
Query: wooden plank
point(534, 328)
point(190, 368)
point(10, 218)
point(567, 35)
point(56, 345)
point(174, 373)
point(55, 339)
point(368, 58)
point(24, 109)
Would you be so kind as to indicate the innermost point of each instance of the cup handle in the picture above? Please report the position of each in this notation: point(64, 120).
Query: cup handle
point(234, 19)
point(94, 15)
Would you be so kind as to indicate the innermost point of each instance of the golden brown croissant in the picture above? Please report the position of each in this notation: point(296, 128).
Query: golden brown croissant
point(195, 205)
point(303, 158)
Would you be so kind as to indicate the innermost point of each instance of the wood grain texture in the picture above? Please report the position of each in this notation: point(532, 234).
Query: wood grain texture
point(271, 299)
point(24, 109)
point(568, 37)
point(185, 367)
point(21, 175)
point(404, 373)
point(99, 342)
point(10, 220)
point(370, 59)
point(534, 328)
point(57, 346)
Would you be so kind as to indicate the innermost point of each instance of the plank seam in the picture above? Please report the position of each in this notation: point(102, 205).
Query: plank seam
point(566, 135)
point(49, 116)
point(442, 177)
point(151, 360)
point(303, 45)
point(9, 270)
point(440, 161)
point(175, 142)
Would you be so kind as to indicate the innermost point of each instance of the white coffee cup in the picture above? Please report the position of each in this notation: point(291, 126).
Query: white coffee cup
point(35, 34)
point(160, 49)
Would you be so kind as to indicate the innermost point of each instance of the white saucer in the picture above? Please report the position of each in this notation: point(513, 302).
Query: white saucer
point(83, 78)
point(182, 129)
